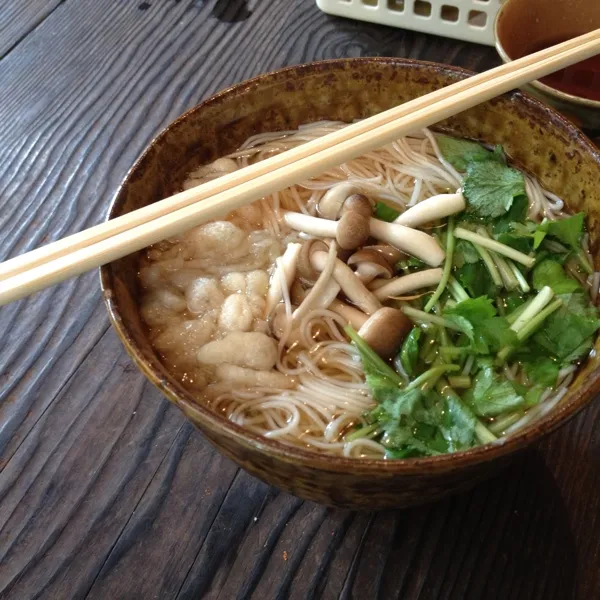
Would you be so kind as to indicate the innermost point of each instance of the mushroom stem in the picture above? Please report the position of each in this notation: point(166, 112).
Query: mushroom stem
point(409, 283)
point(436, 207)
point(288, 264)
point(355, 317)
point(324, 290)
point(350, 284)
point(414, 242)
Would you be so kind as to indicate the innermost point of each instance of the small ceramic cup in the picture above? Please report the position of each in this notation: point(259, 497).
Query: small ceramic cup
point(524, 26)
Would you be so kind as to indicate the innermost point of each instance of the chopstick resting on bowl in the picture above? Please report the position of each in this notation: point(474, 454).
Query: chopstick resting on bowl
point(98, 245)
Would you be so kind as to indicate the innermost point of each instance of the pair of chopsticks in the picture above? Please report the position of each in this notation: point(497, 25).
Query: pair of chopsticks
point(98, 245)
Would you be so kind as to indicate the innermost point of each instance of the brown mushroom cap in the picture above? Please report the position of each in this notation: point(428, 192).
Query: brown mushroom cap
point(392, 255)
point(297, 292)
point(304, 267)
point(385, 331)
point(352, 231)
point(369, 265)
point(359, 204)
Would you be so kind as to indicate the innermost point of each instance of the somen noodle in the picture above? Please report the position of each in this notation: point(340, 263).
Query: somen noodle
point(220, 300)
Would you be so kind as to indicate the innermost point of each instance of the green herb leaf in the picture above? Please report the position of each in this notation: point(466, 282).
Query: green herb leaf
point(491, 187)
point(409, 354)
point(516, 215)
point(567, 334)
point(381, 378)
point(457, 425)
point(543, 371)
point(486, 332)
point(475, 278)
point(491, 394)
point(569, 231)
point(551, 273)
point(460, 153)
point(385, 212)
point(464, 253)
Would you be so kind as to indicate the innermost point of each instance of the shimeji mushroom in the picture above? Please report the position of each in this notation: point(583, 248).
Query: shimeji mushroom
point(326, 287)
point(351, 285)
point(385, 331)
point(330, 205)
point(414, 242)
point(369, 265)
point(359, 204)
point(288, 265)
point(431, 209)
point(408, 283)
point(392, 255)
point(355, 317)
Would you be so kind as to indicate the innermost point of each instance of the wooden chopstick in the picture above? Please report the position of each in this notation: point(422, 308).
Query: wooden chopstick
point(71, 256)
point(133, 219)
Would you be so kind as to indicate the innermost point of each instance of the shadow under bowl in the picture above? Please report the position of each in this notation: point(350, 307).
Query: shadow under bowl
point(535, 136)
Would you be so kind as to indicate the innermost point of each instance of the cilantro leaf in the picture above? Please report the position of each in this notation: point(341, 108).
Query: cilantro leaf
point(464, 252)
point(381, 378)
point(516, 215)
point(567, 333)
point(550, 273)
point(476, 318)
point(385, 212)
point(457, 425)
point(460, 153)
point(409, 353)
point(569, 231)
point(490, 188)
point(492, 395)
point(543, 372)
point(476, 279)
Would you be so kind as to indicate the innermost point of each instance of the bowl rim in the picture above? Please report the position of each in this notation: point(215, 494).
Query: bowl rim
point(550, 91)
point(288, 453)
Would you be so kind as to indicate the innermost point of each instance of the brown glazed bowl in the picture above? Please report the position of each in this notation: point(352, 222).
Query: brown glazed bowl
point(535, 136)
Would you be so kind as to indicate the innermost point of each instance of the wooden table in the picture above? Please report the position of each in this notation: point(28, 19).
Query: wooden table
point(106, 492)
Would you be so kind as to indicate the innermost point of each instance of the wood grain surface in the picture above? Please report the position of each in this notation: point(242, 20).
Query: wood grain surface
point(106, 492)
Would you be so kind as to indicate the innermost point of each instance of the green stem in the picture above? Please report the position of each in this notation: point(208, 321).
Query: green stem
point(423, 317)
point(514, 315)
point(457, 290)
point(368, 352)
point(474, 238)
point(537, 304)
point(484, 435)
point(488, 261)
point(509, 280)
point(361, 433)
point(583, 261)
point(450, 242)
point(459, 381)
point(500, 424)
point(532, 325)
point(519, 276)
point(432, 373)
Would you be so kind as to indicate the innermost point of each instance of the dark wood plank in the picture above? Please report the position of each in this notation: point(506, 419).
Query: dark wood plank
point(18, 18)
point(105, 491)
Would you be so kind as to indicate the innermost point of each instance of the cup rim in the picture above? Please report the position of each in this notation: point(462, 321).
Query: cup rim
point(548, 90)
point(312, 457)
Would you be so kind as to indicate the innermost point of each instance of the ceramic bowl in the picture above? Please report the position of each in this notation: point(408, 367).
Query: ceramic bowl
point(524, 25)
point(535, 136)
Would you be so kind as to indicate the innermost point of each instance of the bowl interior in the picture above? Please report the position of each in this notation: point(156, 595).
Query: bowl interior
point(536, 137)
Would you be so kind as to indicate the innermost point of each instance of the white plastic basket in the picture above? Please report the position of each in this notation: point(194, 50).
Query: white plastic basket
point(469, 20)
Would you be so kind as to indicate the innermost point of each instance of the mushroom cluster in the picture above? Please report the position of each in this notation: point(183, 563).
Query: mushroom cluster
point(348, 264)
